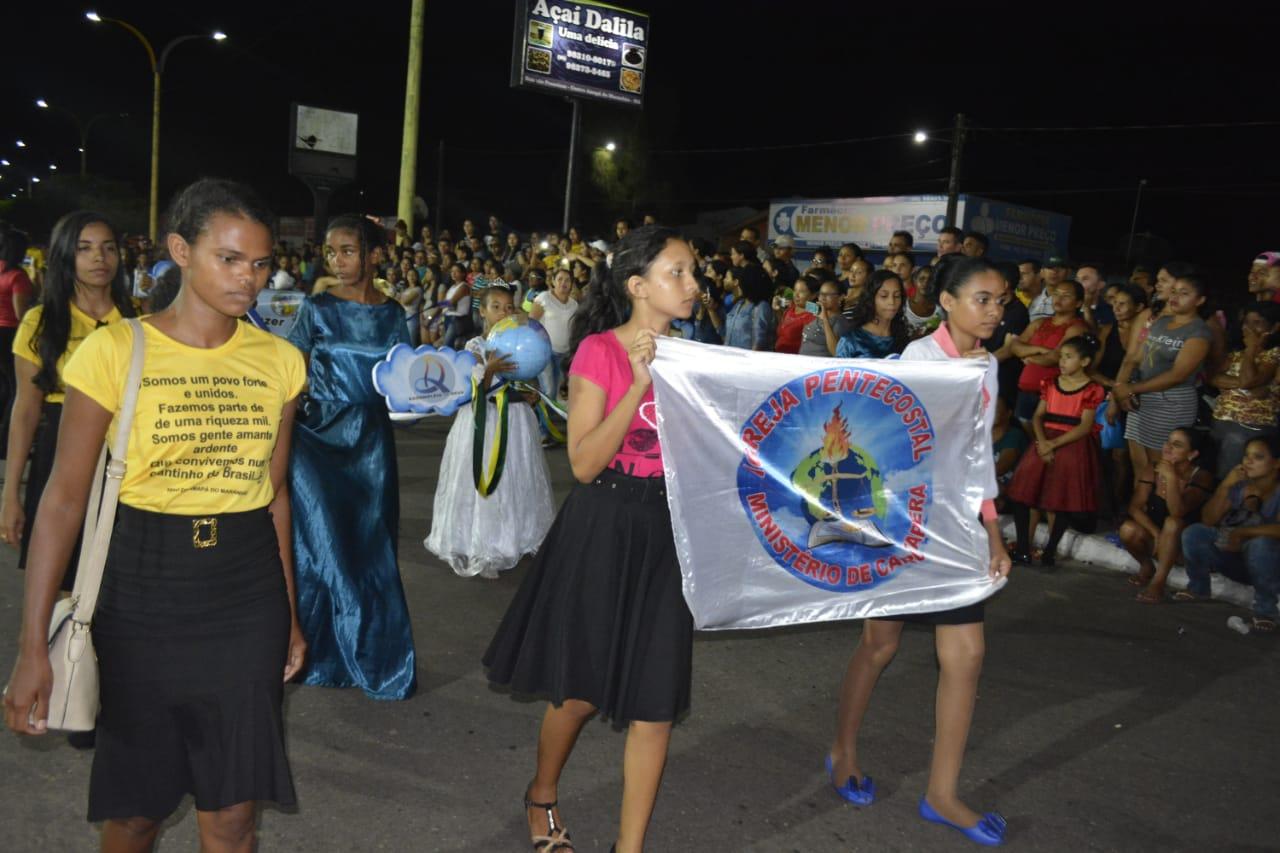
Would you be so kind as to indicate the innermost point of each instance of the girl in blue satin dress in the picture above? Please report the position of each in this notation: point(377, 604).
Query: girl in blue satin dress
point(344, 481)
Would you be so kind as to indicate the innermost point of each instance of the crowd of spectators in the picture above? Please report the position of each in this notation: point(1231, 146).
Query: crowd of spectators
point(1171, 401)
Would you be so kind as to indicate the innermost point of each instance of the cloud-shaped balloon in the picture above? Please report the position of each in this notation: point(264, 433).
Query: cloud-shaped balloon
point(424, 381)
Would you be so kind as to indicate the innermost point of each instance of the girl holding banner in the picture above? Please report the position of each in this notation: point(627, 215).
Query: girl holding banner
point(599, 624)
point(969, 291)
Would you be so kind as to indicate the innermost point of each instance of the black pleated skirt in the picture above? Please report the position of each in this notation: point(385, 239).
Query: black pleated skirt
point(600, 616)
point(966, 615)
point(43, 449)
point(191, 640)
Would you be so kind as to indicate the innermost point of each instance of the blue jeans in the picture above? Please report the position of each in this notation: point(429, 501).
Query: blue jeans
point(1257, 564)
point(553, 375)
point(549, 381)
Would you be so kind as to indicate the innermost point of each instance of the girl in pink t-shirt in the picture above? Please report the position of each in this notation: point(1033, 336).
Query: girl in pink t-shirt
point(599, 624)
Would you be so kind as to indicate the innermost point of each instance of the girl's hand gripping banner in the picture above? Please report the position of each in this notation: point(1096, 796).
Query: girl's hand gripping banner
point(810, 489)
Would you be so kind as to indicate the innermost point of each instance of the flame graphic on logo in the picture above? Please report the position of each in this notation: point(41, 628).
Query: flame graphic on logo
point(835, 442)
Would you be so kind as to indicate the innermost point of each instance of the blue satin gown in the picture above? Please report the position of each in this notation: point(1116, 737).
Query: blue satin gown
point(344, 490)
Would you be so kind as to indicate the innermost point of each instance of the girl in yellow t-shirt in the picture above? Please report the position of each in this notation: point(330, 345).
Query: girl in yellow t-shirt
point(85, 288)
point(195, 627)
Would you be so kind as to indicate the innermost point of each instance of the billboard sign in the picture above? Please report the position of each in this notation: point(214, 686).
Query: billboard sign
point(869, 222)
point(1014, 231)
point(322, 144)
point(581, 50)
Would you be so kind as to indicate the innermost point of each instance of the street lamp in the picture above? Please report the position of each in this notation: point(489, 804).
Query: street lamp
point(157, 69)
point(42, 103)
point(610, 147)
point(21, 144)
point(953, 182)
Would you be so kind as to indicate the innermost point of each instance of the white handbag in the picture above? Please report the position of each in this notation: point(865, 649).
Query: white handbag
point(74, 700)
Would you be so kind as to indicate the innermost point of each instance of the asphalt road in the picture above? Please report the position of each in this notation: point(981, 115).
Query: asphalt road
point(1101, 725)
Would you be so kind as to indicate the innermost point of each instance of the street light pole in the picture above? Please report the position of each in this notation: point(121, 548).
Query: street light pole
point(953, 183)
point(157, 69)
point(1133, 226)
point(82, 128)
point(574, 127)
point(412, 88)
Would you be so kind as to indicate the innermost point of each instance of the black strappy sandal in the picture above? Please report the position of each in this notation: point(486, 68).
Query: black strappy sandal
point(557, 837)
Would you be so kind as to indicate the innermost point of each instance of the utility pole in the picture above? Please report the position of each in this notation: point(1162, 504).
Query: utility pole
point(412, 89)
point(953, 185)
point(574, 128)
point(1133, 226)
point(440, 189)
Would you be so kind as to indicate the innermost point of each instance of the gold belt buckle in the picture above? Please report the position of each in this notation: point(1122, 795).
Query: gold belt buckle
point(204, 532)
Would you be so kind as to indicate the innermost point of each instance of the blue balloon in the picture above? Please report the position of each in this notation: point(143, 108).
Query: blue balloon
point(528, 347)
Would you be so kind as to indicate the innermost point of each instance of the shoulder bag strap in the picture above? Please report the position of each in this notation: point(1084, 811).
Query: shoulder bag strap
point(101, 512)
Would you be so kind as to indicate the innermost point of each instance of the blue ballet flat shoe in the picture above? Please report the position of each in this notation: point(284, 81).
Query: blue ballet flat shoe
point(859, 793)
point(989, 831)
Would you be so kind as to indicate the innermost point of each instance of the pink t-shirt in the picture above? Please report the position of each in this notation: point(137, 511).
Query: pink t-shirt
point(601, 360)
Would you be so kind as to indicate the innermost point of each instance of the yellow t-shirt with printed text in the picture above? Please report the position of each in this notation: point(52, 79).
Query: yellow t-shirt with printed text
point(206, 422)
point(24, 340)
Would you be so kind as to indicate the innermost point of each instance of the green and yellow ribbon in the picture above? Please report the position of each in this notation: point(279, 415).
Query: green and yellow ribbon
point(487, 477)
point(544, 409)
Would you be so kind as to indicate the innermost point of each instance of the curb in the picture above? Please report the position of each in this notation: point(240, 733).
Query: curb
point(1105, 551)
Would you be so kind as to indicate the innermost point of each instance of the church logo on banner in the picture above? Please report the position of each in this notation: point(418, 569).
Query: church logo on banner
point(815, 493)
point(810, 489)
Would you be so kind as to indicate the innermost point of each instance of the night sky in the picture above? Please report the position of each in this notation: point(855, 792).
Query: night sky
point(721, 76)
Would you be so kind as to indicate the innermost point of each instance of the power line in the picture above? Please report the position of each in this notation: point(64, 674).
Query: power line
point(1125, 189)
point(1128, 127)
point(828, 143)
point(786, 146)
point(745, 149)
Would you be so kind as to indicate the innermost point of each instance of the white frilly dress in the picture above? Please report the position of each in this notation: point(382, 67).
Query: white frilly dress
point(483, 536)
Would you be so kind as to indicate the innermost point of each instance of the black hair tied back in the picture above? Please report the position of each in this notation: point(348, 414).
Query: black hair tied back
point(607, 303)
point(191, 209)
point(953, 272)
point(369, 234)
point(1085, 345)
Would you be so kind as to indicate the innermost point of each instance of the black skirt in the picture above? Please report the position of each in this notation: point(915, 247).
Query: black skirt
point(600, 616)
point(192, 631)
point(43, 449)
point(966, 615)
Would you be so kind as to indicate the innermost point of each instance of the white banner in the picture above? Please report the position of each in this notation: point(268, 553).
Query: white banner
point(810, 489)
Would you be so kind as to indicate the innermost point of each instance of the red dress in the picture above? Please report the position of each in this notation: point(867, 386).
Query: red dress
point(1046, 335)
point(791, 329)
point(1070, 483)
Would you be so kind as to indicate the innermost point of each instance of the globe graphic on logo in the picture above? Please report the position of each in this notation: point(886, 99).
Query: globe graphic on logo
point(843, 491)
point(850, 487)
point(528, 347)
point(831, 482)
